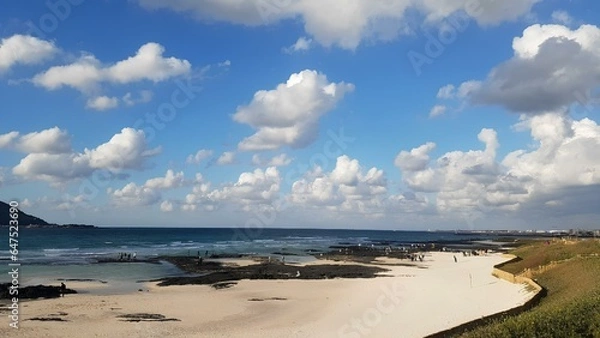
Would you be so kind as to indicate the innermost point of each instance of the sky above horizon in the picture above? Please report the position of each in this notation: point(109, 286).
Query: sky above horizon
point(398, 114)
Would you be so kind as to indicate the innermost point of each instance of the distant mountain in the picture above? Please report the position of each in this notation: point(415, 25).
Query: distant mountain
point(32, 221)
point(24, 219)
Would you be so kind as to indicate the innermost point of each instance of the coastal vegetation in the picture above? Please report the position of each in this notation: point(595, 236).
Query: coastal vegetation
point(570, 272)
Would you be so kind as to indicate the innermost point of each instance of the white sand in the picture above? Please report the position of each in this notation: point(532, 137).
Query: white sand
point(413, 303)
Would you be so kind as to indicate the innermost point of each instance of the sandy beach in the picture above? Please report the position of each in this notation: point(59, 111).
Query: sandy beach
point(405, 302)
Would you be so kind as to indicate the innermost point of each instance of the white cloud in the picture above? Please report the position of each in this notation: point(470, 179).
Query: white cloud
point(562, 18)
point(289, 115)
point(345, 26)
point(102, 103)
point(301, 45)
point(225, 63)
point(446, 92)
point(127, 150)
point(437, 110)
point(415, 160)
point(256, 189)
point(170, 181)
point(280, 160)
point(148, 64)
point(166, 206)
point(200, 156)
point(348, 189)
point(52, 141)
point(133, 195)
point(485, 12)
point(226, 158)
point(25, 50)
point(144, 96)
point(552, 68)
point(87, 73)
point(150, 192)
point(565, 161)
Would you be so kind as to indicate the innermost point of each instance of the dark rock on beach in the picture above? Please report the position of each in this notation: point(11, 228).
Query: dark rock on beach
point(146, 317)
point(32, 292)
point(49, 319)
point(223, 285)
point(225, 273)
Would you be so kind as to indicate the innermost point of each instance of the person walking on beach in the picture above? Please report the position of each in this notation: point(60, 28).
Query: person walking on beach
point(455, 260)
point(63, 289)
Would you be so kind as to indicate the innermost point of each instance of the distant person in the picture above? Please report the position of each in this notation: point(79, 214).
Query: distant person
point(63, 289)
point(134, 255)
point(455, 260)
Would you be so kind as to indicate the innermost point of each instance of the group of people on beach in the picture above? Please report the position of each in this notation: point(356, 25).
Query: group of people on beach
point(125, 256)
point(416, 257)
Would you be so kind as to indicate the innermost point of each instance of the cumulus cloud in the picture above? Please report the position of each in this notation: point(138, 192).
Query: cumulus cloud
point(289, 114)
point(167, 206)
point(127, 150)
point(24, 50)
point(226, 158)
point(102, 103)
point(87, 73)
point(257, 189)
point(446, 92)
point(350, 189)
point(280, 160)
point(199, 156)
point(552, 68)
point(52, 141)
point(485, 12)
point(437, 110)
point(565, 160)
point(143, 97)
point(345, 26)
point(415, 160)
point(150, 192)
point(301, 45)
point(133, 195)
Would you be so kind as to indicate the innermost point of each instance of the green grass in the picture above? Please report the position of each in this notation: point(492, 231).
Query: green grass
point(572, 306)
point(538, 253)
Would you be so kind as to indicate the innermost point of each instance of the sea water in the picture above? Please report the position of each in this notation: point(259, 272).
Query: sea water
point(52, 254)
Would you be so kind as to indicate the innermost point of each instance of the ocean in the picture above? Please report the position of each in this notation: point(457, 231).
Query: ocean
point(50, 254)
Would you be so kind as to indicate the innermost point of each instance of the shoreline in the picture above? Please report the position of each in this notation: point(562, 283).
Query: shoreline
point(414, 301)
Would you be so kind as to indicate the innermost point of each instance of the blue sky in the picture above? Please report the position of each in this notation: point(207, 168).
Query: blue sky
point(496, 129)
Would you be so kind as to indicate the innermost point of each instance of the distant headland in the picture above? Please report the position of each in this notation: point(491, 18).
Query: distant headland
point(29, 221)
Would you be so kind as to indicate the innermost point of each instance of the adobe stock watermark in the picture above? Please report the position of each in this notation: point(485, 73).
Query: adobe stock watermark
point(151, 124)
point(334, 147)
point(447, 34)
point(384, 305)
point(58, 12)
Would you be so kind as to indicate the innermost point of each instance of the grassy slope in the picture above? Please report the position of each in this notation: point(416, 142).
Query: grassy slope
point(572, 306)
